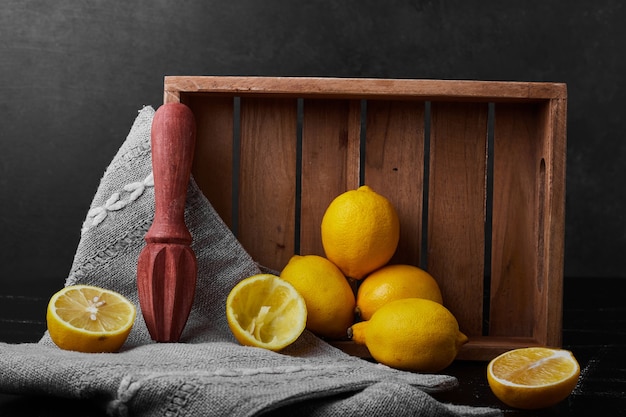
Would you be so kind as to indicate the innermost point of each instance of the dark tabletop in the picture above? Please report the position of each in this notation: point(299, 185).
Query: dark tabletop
point(594, 329)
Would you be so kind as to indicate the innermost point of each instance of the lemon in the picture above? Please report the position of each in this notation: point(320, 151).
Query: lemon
point(329, 298)
point(394, 282)
point(534, 377)
point(89, 319)
point(360, 231)
point(265, 311)
point(412, 334)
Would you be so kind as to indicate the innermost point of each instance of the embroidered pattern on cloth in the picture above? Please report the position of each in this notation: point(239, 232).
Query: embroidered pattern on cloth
point(125, 392)
point(179, 399)
point(96, 215)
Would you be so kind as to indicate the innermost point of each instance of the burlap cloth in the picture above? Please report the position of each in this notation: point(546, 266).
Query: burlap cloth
point(208, 373)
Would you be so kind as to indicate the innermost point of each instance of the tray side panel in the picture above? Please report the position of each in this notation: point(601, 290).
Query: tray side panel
point(268, 179)
point(555, 149)
point(456, 212)
point(394, 167)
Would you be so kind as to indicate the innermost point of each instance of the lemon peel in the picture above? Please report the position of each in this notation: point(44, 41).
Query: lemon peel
point(89, 319)
point(265, 311)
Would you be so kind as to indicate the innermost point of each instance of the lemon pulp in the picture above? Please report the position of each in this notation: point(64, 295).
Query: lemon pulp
point(86, 318)
point(265, 311)
point(534, 377)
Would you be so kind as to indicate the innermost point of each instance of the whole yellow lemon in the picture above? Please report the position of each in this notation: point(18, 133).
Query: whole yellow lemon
point(360, 231)
point(328, 296)
point(394, 282)
point(412, 334)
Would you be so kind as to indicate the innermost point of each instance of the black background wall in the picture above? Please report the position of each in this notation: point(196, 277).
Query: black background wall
point(73, 75)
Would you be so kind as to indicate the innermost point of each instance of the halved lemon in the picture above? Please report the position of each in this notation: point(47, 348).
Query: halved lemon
point(532, 378)
point(265, 311)
point(85, 318)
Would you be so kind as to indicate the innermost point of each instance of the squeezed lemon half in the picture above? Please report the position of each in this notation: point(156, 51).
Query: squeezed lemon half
point(265, 311)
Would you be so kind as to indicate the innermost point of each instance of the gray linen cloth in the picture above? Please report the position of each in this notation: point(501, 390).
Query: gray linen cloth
point(208, 373)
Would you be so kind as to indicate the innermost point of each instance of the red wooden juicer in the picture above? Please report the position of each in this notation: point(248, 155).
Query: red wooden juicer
point(167, 266)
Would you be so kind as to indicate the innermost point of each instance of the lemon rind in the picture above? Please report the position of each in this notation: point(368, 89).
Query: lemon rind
point(557, 352)
point(67, 325)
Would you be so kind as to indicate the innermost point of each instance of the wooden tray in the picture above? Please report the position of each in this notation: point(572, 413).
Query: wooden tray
point(476, 170)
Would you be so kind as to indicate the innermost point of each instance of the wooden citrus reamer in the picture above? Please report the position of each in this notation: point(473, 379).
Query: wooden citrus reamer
point(167, 266)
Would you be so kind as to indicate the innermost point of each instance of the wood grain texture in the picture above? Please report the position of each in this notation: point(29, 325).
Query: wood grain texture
point(548, 325)
point(517, 276)
point(325, 144)
point(357, 88)
point(166, 268)
point(394, 167)
point(267, 180)
point(527, 235)
point(213, 161)
point(456, 212)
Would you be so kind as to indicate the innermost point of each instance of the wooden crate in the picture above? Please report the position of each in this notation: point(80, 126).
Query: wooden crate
point(475, 169)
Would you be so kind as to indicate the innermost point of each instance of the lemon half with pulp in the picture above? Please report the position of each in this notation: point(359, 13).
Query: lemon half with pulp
point(90, 319)
point(534, 377)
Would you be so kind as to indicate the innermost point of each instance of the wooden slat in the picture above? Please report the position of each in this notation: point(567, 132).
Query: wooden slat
point(394, 167)
point(548, 325)
point(353, 156)
point(366, 88)
point(485, 348)
point(456, 210)
point(518, 198)
point(213, 157)
point(325, 145)
point(529, 199)
point(267, 179)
